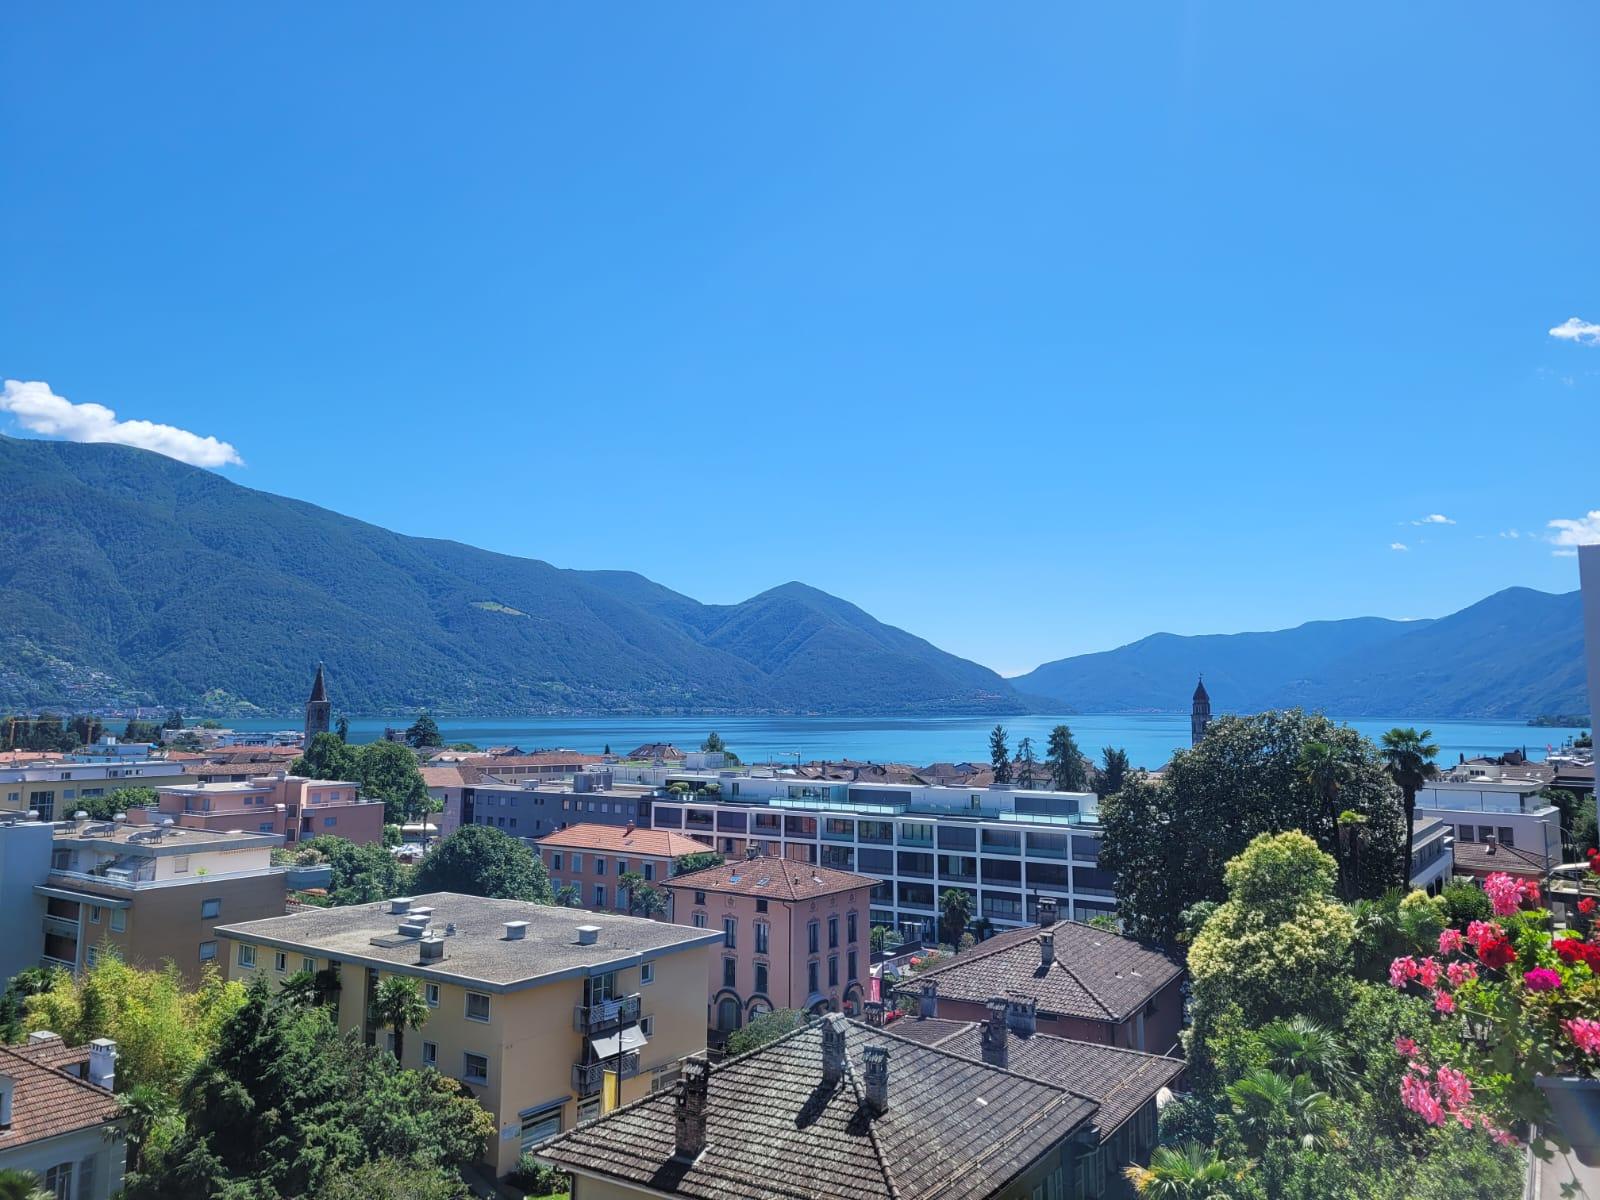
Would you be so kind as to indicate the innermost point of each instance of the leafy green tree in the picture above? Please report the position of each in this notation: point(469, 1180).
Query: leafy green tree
point(30, 981)
point(876, 939)
point(400, 1006)
point(120, 800)
point(424, 731)
point(327, 757)
point(1113, 772)
point(685, 863)
point(141, 731)
point(174, 720)
point(1408, 756)
point(361, 874)
point(1167, 842)
point(341, 729)
point(955, 910)
point(1267, 1104)
point(999, 755)
point(1027, 763)
point(644, 898)
point(568, 896)
point(713, 743)
point(389, 1179)
point(479, 861)
point(1065, 762)
point(768, 1027)
point(388, 771)
point(1465, 903)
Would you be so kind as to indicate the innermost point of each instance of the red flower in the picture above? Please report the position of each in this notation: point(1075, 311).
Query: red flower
point(1575, 950)
point(1498, 953)
point(1586, 905)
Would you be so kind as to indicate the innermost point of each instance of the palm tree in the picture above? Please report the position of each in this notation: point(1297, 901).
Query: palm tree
point(300, 989)
point(400, 1006)
point(145, 1107)
point(1324, 770)
point(1266, 1104)
point(1408, 757)
point(1194, 1172)
point(955, 910)
point(1301, 1046)
point(568, 896)
point(20, 1185)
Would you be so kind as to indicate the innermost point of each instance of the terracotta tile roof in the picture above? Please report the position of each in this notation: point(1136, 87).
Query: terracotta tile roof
point(771, 876)
point(443, 777)
point(49, 1102)
point(1118, 1081)
point(56, 1054)
point(955, 1128)
point(1475, 856)
point(617, 839)
point(542, 758)
point(1096, 975)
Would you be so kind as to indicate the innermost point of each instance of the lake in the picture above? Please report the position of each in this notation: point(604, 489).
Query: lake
point(1149, 738)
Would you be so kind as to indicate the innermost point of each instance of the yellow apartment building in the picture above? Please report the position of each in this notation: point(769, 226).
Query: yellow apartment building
point(537, 1010)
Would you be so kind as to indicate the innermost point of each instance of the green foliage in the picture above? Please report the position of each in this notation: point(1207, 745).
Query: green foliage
point(30, 981)
point(47, 731)
point(877, 938)
point(685, 863)
point(1027, 764)
point(480, 861)
point(645, 899)
point(1465, 902)
point(1064, 761)
point(287, 1106)
point(399, 1005)
point(327, 757)
point(361, 874)
point(955, 910)
point(533, 1178)
point(715, 743)
point(768, 1027)
point(1189, 1172)
point(103, 808)
point(999, 756)
point(388, 1179)
point(1104, 921)
point(20, 1185)
point(1408, 756)
point(1167, 842)
point(424, 731)
point(1113, 772)
point(388, 771)
point(141, 731)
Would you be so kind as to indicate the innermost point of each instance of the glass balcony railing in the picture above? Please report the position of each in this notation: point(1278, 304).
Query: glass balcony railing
point(590, 1018)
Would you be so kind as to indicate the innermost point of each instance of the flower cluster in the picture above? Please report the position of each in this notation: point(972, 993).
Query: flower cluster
point(1507, 895)
point(1585, 1033)
point(1444, 1094)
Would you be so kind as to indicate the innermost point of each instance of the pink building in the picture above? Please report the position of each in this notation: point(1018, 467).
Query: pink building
point(291, 805)
point(593, 858)
point(794, 936)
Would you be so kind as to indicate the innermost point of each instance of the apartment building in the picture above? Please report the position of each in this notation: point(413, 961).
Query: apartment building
point(152, 893)
point(534, 806)
point(593, 858)
point(291, 806)
point(59, 1120)
point(53, 790)
point(793, 935)
point(546, 1017)
point(1005, 847)
point(1503, 811)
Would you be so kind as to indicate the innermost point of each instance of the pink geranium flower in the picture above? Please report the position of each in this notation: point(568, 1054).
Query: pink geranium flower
point(1505, 893)
point(1450, 941)
point(1444, 1002)
point(1461, 972)
point(1428, 973)
point(1402, 971)
point(1585, 1033)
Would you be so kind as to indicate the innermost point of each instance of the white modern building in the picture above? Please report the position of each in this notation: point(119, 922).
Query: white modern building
point(1507, 812)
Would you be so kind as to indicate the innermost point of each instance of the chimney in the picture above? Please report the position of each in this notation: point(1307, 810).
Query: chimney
point(1048, 911)
point(627, 829)
point(42, 1035)
point(1047, 948)
point(876, 1060)
point(400, 904)
point(1022, 1014)
point(752, 851)
point(832, 1049)
point(928, 998)
point(691, 1109)
point(103, 1063)
point(8, 1087)
point(872, 1011)
point(995, 1050)
point(588, 934)
point(516, 930)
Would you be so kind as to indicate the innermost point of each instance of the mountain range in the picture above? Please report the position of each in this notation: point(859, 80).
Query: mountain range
point(130, 578)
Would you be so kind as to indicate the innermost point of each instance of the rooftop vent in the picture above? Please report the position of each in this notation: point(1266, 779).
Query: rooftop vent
point(400, 904)
point(42, 1035)
point(413, 929)
point(588, 934)
point(516, 930)
point(431, 948)
point(420, 914)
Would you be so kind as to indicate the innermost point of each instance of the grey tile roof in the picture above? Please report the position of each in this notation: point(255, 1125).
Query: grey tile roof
point(929, 1031)
point(1096, 975)
point(478, 952)
point(955, 1128)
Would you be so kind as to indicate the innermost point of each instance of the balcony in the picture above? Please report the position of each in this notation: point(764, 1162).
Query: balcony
point(591, 1018)
point(589, 1078)
point(61, 926)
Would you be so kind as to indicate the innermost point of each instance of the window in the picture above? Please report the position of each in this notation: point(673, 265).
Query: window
point(730, 932)
point(577, 863)
point(761, 904)
point(850, 965)
point(599, 865)
point(812, 931)
point(208, 951)
point(730, 967)
point(477, 1006)
point(308, 965)
point(1507, 836)
point(811, 977)
point(180, 864)
point(430, 1054)
point(119, 920)
point(280, 962)
point(833, 933)
point(761, 978)
point(763, 936)
point(588, 1110)
point(599, 895)
point(649, 872)
point(430, 992)
point(58, 1181)
point(538, 1124)
point(555, 860)
point(699, 897)
point(266, 826)
point(850, 927)
point(474, 1068)
point(647, 1026)
point(699, 920)
point(247, 955)
point(833, 970)
point(90, 957)
point(211, 909)
point(622, 866)
point(329, 822)
point(647, 973)
point(94, 914)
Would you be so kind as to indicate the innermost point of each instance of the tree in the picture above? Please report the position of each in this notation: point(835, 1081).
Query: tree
point(999, 756)
point(388, 771)
point(120, 800)
point(1192, 1172)
point(955, 910)
point(1267, 1104)
point(424, 731)
point(30, 981)
point(1065, 762)
point(327, 757)
point(21, 1185)
point(1324, 771)
point(361, 874)
point(768, 1027)
point(1026, 763)
point(141, 731)
point(1408, 756)
point(400, 1006)
point(1300, 1046)
point(644, 898)
point(568, 896)
point(685, 863)
point(479, 861)
point(174, 720)
point(1113, 772)
point(341, 729)
point(1167, 842)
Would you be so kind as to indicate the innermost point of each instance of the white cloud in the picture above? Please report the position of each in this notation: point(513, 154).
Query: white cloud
point(1398, 546)
point(1434, 519)
point(1584, 531)
point(1511, 533)
point(40, 410)
point(1585, 333)
point(1565, 553)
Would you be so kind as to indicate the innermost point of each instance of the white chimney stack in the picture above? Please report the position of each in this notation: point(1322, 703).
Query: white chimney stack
point(103, 1063)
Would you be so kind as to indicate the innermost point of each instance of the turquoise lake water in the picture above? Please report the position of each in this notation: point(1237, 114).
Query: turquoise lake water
point(1148, 738)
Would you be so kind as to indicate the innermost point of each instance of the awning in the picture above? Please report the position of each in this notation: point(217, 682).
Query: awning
point(612, 1044)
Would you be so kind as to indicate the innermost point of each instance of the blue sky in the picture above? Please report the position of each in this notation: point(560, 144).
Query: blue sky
point(1031, 329)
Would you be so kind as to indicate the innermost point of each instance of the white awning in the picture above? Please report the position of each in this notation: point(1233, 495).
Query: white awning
point(612, 1044)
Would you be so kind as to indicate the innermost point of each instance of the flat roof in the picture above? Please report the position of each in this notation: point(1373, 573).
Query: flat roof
point(479, 951)
point(174, 839)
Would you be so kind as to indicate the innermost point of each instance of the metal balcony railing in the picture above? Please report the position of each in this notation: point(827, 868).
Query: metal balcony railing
point(589, 1018)
point(589, 1078)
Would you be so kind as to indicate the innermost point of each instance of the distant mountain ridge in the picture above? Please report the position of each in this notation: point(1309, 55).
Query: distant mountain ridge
point(129, 577)
point(1515, 654)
